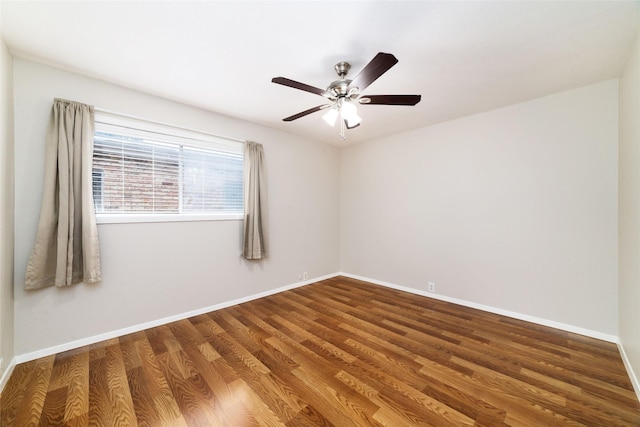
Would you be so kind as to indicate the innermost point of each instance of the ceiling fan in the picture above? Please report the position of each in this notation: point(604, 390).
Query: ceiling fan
point(344, 93)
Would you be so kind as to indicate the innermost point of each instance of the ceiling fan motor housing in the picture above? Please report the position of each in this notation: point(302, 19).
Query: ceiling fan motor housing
point(338, 89)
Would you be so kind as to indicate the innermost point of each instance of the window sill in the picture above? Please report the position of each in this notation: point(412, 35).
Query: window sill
point(137, 218)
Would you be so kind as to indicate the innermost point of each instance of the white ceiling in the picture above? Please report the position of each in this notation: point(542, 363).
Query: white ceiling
point(462, 57)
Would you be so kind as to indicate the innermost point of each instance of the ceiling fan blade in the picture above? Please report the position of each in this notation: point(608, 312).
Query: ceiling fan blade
point(390, 99)
point(379, 65)
point(306, 112)
point(297, 85)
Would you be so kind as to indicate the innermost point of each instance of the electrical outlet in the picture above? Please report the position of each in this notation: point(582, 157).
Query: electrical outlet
point(305, 276)
point(431, 287)
point(299, 276)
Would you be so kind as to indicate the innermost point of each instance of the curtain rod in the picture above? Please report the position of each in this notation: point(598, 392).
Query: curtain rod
point(127, 116)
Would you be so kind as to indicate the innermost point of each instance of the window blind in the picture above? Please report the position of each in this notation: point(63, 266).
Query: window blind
point(149, 169)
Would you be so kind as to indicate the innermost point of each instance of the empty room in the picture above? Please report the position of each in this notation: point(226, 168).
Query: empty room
point(319, 213)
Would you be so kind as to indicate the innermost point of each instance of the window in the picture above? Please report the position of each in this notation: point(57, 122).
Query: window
point(143, 171)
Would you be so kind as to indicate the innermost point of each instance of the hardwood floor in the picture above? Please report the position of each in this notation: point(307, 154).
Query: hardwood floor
point(338, 352)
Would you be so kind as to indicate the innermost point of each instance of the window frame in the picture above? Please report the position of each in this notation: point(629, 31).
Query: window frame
point(105, 121)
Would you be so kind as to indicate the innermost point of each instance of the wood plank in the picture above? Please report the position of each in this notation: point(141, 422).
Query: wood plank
point(77, 406)
point(53, 408)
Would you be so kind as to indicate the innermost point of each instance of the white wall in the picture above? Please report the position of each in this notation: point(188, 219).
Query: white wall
point(151, 271)
point(514, 209)
point(629, 210)
point(6, 207)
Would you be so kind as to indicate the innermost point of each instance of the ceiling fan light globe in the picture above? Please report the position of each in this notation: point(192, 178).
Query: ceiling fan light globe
point(331, 116)
point(348, 111)
point(353, 121)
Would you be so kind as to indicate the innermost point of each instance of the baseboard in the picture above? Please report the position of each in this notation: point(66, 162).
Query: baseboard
point(627, 364)
point(7, 374)
point(136, 328)
point(507, 313)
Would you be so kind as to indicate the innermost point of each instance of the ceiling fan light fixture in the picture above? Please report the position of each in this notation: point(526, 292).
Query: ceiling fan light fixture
point(331, 116)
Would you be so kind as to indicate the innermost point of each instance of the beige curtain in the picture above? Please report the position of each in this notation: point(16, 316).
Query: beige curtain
point(255, 245)
point(66, 250)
